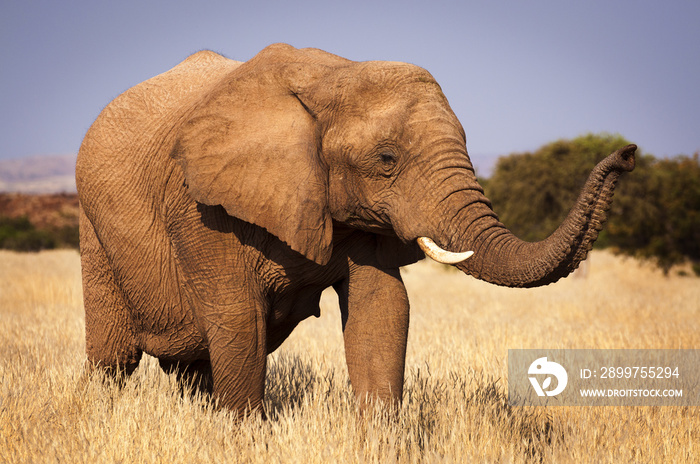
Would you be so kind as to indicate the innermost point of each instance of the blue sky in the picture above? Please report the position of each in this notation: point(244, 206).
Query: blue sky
point(517, 74)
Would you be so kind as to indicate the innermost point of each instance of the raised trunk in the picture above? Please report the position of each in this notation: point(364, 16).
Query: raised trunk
point(503, 259)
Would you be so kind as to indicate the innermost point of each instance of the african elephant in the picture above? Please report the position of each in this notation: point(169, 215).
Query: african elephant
point(220, 198)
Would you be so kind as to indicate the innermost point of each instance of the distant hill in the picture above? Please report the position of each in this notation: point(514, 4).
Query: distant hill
point(33, 222)
point(44, 211)
point(38, 174)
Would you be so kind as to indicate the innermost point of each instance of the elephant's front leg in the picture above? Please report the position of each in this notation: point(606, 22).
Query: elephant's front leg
point(375, 314)
point(238, 354)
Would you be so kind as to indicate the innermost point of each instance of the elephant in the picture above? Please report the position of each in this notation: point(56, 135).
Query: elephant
point(220, 198)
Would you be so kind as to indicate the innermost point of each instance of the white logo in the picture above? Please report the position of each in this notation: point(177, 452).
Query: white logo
point(549, 368)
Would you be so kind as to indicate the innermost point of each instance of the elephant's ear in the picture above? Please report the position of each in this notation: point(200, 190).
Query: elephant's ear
point(252, 147)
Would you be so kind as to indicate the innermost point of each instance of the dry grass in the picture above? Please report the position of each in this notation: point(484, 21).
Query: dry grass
point(455, 407)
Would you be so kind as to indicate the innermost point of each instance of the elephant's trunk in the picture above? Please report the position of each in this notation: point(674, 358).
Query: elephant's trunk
point(503, 259)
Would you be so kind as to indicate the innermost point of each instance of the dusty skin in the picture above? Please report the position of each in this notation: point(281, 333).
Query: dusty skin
point(454, 408)
point(220, 199)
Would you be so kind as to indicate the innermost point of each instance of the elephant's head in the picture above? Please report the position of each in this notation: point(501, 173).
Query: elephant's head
point(301, 141)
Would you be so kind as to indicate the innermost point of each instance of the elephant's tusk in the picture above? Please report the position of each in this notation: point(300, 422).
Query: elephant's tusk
point(436, 253)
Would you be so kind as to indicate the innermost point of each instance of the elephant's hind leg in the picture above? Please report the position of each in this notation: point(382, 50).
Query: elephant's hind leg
point(196, 375)
point(109, 338)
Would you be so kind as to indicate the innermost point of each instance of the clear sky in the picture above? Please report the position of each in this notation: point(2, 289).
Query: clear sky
point(518, 74)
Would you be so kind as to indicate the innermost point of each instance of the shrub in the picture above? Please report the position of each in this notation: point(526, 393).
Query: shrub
point(20, 235)
point(655, 213)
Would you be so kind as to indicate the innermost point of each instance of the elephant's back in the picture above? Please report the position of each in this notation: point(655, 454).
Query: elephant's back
point(124, 157)
point(132, 127)
point(164, 96)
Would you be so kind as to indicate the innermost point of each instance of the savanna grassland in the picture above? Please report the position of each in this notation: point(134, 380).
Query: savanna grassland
point(455, 406)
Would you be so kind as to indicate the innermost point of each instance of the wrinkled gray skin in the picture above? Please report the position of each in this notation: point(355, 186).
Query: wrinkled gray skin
point(220, 198)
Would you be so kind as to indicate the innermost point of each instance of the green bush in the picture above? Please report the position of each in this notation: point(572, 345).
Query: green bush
point(68, 237)
point(655, 213)
point(533, 192)
point(659, 210)
point(19, 234)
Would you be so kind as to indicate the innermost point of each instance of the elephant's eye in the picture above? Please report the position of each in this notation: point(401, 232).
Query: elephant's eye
point(388, 160)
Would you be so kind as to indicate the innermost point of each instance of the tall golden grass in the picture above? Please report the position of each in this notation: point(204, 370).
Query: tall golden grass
point(454, 410)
